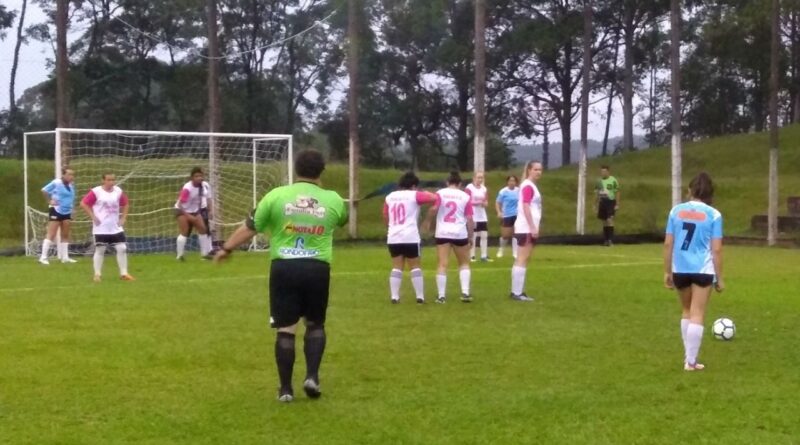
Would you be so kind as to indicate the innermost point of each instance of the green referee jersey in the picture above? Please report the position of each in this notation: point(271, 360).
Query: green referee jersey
point(300, 220)
point(607, 188)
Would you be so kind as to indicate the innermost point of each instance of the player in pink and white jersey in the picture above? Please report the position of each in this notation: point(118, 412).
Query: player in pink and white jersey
point(189, 212)
point(107, 207)
point(526, 227)
point(480, 198)
point(454, 229)
point(401, 214)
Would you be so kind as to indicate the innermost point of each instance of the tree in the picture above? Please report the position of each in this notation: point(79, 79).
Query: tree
point(62, 71)
point(772, 214)
point(6, 20)
point(15, 63)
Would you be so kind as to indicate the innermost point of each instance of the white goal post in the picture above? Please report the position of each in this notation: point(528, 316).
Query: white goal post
point(151, 167)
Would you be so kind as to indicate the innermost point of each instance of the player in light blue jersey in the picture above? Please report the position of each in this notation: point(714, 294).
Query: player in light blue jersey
point(693, 261)
point(60, 196)
point(506, 206)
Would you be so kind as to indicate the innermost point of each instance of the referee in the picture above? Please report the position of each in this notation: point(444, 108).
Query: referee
point(608, 195)
point(300, 219)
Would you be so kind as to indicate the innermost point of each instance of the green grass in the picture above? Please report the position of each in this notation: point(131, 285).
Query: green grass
point(738, 165)
point(184, 356)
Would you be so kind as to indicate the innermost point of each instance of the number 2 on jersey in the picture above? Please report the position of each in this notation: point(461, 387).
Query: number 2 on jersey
point(689, 228)
point(398, 212)
point(452, 208)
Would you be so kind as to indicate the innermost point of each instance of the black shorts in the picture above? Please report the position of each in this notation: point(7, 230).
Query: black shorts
point(298, 288)
point(606, 208)
point(105, 240)
point(57, 217)
point(455, 242)
point(684, 280)
point(481, 226)
point(524, 238)
point(508, 221)
point(408, 250)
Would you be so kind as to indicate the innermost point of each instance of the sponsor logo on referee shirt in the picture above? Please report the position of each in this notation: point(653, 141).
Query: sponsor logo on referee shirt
point(304, 205)
point(299, 250)
point(305, 229)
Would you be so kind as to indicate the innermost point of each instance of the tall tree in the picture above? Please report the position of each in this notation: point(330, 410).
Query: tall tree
point(480, 85)
point(353, 8)
point(588, 37)
point(675, 96)
point(772, 214)
point(12, 94)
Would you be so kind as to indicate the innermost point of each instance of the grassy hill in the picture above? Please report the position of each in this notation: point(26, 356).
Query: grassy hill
point(738, 165)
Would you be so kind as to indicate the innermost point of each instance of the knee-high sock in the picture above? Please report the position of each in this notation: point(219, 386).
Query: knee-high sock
point(418, 283)
point(181, 245)
point(284, 358)
point(122, 258)
point(503, 243)
point(46, 248)
point(611, 233)
point(694, 337)
point(517, 280)
point(99, 255)
point(484, 244)
point(514, 247)
point(441, 284)
point(464, 276)
point(684, 327)
point(63, 249)
point(395, 280)
point(474, 243)
point(205, 244)
point(314, 348)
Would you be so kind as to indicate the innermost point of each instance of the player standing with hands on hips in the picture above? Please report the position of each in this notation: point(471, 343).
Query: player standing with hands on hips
point(480, 197)
point(526, 228)
point(693, 261)
point(60, 195)
point(107, 208)
point(300, 219)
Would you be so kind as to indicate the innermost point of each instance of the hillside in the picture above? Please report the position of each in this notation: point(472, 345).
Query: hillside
point(738, 165)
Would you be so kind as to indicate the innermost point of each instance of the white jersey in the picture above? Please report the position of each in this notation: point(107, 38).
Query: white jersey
point(479, 199)
point(191, 199)
point(455, 206)
point(401, 210)
point(528, 194)
point(106, 207)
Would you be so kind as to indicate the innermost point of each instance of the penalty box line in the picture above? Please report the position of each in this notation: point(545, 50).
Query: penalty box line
point(532, 267)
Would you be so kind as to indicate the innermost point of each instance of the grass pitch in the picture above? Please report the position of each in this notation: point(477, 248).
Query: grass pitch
point(184, 355)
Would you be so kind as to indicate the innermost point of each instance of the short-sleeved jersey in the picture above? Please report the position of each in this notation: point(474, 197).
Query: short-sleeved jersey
point(607, 188)
point(106, 207)
point(479, 198)
point(63, 194)
point(693, 224)
point(300, 219)
point(454, 209)
point(191, 198)
point(508, 200)
point(529, 194)
point(401, 211)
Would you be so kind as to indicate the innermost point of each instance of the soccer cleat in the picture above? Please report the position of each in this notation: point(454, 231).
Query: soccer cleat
point(499, 254)
point(285, 396)
point(68, 261)
point(465, 298)
point(207, 256)
point(472, 259)
point(44, 261)
point(127, 277)
point(181, 258)
point(395, 300)
point(420, 301)
point(441, 300)
point(693, 367)
point(520, 297)
point(486, 259)
point(311, 387)
point(97, 279)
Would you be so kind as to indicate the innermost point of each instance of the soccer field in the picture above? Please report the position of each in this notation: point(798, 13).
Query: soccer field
point(183, 355)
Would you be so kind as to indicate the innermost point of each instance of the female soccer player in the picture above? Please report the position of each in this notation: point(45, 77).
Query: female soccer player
point(107, 207)
point(454, 227)
point(693, 261)
point(506, 206)
point(526, 228)
point(480, 195)
point(60, 194)
point(188, 213)
point(401, 214)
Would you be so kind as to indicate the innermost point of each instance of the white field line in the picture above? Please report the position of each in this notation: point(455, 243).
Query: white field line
point(533, 267)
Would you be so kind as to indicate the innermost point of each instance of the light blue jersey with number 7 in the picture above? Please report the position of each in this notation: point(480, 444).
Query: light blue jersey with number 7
point(694, 224)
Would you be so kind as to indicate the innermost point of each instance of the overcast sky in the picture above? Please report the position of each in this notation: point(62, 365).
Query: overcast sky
point(33, 70)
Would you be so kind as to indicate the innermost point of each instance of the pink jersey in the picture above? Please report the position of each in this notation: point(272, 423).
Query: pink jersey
point(479, 196)
point(455, 206)
point(528, 194)
point(106, 207)
point(191, 199)
point(401, 211)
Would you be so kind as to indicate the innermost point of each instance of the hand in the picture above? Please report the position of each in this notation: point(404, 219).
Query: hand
point(221, 256)
point(96, 221)
point(53, 203)
point(668, 281)
point(499, 215)
point(122, 221)
point(719, 285)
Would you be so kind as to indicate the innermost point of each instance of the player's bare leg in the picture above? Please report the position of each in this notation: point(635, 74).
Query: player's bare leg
point(52, 230)
point(506, 234)
point(464, 272)
point(694, 332)
point(443, 254)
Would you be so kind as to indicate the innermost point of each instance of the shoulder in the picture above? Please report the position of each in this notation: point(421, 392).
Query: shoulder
point(118, 190)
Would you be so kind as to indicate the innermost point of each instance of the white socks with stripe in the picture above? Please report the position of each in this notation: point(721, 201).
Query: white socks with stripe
point(441, 284)
point(122, 258)
point(464, 276)
point(416, 281)
point(517, 280)
point(181, 245)
point(99, 255)
point(395, 279)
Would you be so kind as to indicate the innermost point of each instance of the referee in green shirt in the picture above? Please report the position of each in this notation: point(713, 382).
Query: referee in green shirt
point(300, 219)
point(608, 195)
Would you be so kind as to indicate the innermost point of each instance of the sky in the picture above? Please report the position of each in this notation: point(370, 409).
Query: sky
point(33, 70)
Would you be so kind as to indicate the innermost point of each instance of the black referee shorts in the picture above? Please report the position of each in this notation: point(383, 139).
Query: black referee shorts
point(606, 208)
point(298, 288)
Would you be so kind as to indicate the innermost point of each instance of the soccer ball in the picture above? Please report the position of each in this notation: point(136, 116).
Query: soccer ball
point(724, 329)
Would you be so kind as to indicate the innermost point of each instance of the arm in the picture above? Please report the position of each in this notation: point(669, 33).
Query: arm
point(86, 204)
point(669, 241)
point(123, 209)
point(46, 192)
point(427, 224)
point(499, 208)
point(242, 235)
point(619, 196)
point(526, 196)
point(716, 257)
point(385, 214)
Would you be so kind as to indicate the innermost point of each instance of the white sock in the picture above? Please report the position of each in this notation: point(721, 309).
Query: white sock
point(205, 244)
point(64, 251)
point(684, 327)
point(181, 243)
point(694, 337)
point(99, 254)
point(464, 276)
point(474, 243)
point(122, 258)
point(395, 279)
point(416, 281)
point(46, 248)
point(503, 243)
point(514, 247)
point(441, 284)
point(517, 280)
point(484, 244)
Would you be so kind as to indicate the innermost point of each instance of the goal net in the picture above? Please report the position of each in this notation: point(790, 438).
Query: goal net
point(151, 167)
